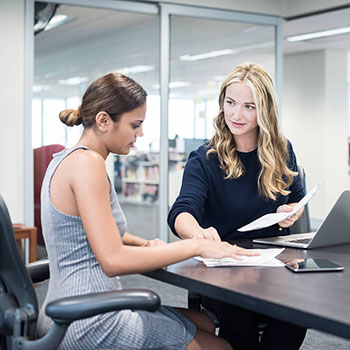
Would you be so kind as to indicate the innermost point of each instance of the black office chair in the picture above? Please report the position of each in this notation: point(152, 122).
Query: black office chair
point(18, 302)
point(303, 225)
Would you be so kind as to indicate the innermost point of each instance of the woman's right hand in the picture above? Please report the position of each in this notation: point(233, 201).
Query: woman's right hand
point(209, 234)
point(218, 250)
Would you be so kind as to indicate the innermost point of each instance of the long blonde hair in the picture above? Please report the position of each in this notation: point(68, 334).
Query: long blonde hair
point(275, 176)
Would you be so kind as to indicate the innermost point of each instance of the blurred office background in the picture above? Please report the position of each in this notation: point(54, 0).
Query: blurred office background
point(47, 68)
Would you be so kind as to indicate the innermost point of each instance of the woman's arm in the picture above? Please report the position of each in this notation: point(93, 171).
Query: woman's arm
point(91, 190)
point(192, 198)
point(130, 239)
point(187, 227)
point(129, 260)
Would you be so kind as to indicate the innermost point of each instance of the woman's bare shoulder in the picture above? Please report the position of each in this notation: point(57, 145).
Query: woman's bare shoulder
point(82, 159)
point(83, 167)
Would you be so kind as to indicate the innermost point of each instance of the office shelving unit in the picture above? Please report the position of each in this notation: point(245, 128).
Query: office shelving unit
point(137, 179)
point(139, 175)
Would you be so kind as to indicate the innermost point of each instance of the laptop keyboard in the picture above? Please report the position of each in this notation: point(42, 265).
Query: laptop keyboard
point(301, 240)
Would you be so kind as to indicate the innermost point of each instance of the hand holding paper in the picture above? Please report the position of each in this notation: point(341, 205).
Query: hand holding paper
point(273, 218)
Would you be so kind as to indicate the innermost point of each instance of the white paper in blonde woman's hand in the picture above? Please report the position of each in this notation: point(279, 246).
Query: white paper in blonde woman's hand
point(273, 218)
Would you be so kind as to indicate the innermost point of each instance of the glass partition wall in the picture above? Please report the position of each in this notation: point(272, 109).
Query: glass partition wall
point(202, 54)
point(180, 55)
point(88, 43)
point(205, 47)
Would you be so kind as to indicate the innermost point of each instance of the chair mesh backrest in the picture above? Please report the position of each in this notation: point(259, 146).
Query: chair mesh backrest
point(13, 273)
point(304, 223)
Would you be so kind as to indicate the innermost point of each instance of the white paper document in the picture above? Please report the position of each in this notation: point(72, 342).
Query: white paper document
point(266, 257)
point(273, 218)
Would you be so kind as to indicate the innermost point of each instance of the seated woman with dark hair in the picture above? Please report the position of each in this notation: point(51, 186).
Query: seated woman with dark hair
point(85, 232)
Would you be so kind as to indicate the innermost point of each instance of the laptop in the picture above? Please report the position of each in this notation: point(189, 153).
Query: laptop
point(334, 230)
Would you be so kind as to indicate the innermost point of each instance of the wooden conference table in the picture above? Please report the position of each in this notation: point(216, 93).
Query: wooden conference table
point(319, 300)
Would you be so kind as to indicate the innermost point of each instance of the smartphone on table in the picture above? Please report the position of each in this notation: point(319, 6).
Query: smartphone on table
point(312, 265)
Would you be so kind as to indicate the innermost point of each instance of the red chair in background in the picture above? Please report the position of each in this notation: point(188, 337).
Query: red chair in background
point(42, 158)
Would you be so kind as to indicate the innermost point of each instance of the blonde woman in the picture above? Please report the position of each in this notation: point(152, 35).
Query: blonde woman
point(246, 170)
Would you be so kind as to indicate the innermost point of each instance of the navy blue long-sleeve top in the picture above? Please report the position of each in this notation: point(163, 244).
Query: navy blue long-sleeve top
point(228, 204)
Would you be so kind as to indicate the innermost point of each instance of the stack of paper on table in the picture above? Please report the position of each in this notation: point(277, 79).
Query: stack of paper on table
point(267, 257)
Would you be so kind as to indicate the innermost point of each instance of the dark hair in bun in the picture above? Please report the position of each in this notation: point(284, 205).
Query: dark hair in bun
point(113, 93)
point(70, 117)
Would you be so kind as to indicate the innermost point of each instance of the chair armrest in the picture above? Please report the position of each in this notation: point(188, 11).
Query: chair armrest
point(67, 310)
point(39, 270)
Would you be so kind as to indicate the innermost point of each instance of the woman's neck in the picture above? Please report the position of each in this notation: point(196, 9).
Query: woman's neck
point(94, 144)
point(247, 142)
point(246, 146)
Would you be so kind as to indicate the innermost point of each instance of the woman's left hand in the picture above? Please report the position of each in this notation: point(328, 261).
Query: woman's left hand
point(285, 208)
point(154, 243)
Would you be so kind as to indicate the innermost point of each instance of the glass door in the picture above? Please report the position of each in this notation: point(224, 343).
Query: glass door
point(78, 45)
point(205, 46)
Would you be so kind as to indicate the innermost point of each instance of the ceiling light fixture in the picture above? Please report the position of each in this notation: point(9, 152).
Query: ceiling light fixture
point(223, 52)
point(317, 35)
point(39, 88)
point(206, 55)
point(57, 21)
point(73, 81)
point(173, 85)
point(135, 69)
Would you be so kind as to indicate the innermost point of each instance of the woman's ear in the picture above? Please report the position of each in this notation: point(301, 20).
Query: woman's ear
point(103, 121)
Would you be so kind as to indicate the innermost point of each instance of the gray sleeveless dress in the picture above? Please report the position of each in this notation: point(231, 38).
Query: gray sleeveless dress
point(74, 270)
